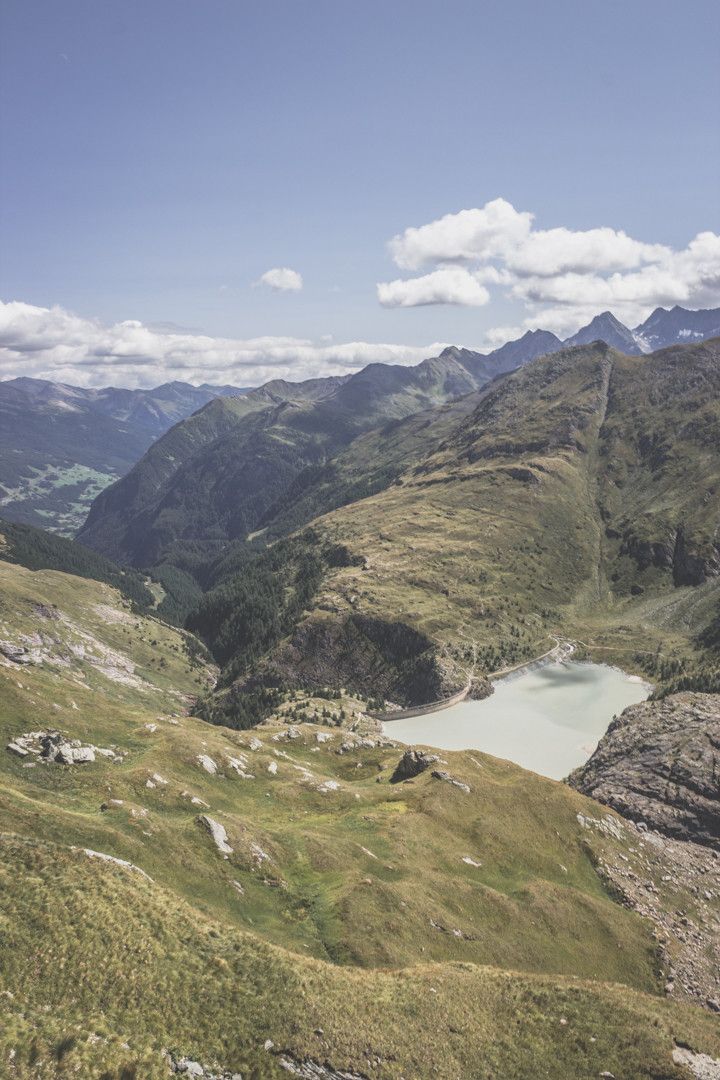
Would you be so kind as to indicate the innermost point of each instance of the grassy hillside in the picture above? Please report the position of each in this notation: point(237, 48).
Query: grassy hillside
point(575, 498)
point(36, 549)
point(334, 875)
point(316, 835)
point(158, 976)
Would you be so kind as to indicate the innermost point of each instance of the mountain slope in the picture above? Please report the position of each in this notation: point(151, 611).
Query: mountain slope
point(269, 880)
point(574, 498)
point(36, 549)
point(213, 478)
point(230, 474)
point(60, 445)
point(607, 328)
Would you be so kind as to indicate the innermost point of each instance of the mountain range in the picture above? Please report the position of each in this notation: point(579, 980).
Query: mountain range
point(61, 445)
point(221, 475)
point(576, 496)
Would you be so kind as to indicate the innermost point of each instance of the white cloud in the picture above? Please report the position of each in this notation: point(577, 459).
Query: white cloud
point(52, 343)
point(449, 285)
point(563, 277)
point(556, 251)
point(499, 335)
point(281, 279)
point(471, 234)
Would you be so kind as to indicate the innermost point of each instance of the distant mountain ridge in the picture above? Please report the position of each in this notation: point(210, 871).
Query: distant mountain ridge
point(60, 445)
point(223, 473)
point(678, 326)
point(154, 409)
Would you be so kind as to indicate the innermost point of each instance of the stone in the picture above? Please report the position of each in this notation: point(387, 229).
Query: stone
point(205, 762)
point(411, 764)
point(112, 859)
point(440, 774)
point(75, 755)
point(189, 1068)
point(53, 746)
point(218, 833)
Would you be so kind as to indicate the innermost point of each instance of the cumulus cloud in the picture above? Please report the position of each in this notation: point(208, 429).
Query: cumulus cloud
point(561, 276)
point(472, 234)
point(281, 279)
point(450, 285)
point(52, 343)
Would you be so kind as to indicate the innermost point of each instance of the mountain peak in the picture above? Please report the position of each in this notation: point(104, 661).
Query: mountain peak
point(606, 327)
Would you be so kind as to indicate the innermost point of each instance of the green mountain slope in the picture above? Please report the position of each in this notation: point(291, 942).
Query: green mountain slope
point(61, 445)
point(36, 549)
point(213, 478)
point(575, 497)
point(335, 918)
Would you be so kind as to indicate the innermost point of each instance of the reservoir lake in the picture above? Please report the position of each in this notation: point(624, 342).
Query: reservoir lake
point(549, 719)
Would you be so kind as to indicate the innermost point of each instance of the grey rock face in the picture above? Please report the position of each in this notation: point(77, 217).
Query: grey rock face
point(659, 763)
point(412, 763)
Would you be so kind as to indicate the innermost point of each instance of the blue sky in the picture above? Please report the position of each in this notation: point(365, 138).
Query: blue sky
point(159, 157)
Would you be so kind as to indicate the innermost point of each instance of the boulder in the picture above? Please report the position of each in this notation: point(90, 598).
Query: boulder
point(74, 755)
point(412, 763)
point(218, 833)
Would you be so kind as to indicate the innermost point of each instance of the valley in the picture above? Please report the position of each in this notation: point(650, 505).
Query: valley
point(359, 540)
point(203, 802)
point(60, 445)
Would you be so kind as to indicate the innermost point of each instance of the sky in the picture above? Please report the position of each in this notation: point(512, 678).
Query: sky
point(231, 191)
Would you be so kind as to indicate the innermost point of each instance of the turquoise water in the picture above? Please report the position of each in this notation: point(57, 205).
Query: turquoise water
point(548, 720)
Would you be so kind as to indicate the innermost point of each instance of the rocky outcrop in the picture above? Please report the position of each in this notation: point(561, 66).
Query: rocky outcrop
point(676, 885)
point(701, 1066)
point(693, 564)
point(691, 561)
point(314, 1070)
point(441, 774)
point(53, 746)
point(411, 764)
point(659, 763)
point(187, 1066)
point(370, 657)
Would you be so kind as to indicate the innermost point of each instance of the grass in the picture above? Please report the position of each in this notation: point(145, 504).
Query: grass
point(95, 954)
point(535, 904)
point(530, 515)
point(361, 939)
